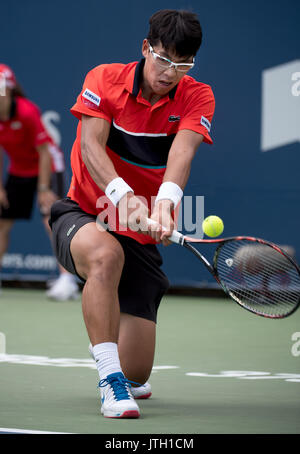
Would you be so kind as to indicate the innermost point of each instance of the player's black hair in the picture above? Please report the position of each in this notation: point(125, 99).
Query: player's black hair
point(178, 31)
point(18, 91)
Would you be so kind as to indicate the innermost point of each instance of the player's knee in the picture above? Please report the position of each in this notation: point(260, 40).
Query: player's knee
point(106, 263)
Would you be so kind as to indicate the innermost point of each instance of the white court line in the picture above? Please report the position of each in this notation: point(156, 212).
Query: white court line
point(59, 362)
point(90, 364)
point(2, 343)
point(25, 431)
point(248, 375)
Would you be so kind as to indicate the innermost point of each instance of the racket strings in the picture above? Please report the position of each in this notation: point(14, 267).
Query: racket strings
point(259, 277)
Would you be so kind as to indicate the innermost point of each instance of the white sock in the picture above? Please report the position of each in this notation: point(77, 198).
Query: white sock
point(107, 358)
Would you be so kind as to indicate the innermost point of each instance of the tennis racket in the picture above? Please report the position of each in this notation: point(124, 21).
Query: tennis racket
point(256, 274)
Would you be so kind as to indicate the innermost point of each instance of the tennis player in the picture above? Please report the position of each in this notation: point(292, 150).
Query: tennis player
point(140, 125)
point(36, 165)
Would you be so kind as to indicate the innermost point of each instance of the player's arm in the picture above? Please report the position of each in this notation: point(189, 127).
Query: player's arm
point(46, 196)
point(94, 136)
point(180, 158)
point(182, 152)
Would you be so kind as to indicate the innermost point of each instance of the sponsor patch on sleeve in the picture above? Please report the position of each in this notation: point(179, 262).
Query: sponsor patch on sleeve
point(204, 121)
point(91, 98)
point(41, 135)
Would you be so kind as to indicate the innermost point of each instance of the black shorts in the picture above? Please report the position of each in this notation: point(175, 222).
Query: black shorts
point(142, 283)
point(21, 193)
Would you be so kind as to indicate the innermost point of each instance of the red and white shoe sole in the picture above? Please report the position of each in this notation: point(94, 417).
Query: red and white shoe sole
point(126, 414)
point(144, 396)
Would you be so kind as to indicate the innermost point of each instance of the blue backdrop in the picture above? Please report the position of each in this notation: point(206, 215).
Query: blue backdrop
point(51, 45)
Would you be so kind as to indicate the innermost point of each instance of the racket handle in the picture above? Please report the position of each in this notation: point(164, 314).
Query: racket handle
point(176, 237)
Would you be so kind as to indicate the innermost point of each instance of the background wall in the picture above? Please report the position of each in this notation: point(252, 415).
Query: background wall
point(250, 57)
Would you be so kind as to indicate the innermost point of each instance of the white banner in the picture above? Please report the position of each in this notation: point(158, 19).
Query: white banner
point(280, 106)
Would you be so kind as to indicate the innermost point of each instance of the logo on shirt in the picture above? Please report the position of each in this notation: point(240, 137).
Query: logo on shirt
point(173, 118)
point(92, 97)
point(204, 121)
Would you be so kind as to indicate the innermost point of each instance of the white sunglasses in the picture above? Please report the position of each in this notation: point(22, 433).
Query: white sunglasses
point(166, 63)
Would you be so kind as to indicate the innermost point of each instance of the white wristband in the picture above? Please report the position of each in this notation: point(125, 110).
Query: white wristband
point(116, 189)
point(170, 191)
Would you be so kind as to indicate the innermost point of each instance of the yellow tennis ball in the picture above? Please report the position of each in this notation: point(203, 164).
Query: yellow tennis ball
point(212, 226)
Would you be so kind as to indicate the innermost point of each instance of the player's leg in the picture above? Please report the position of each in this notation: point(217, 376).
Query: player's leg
point(141, 289)
point(98, 258)
point(136, 348)
point(5, 228)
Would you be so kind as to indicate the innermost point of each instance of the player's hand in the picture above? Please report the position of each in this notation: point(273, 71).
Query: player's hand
point(3, 199)
point(133, 213)
point(46, 200)
point(162, 217)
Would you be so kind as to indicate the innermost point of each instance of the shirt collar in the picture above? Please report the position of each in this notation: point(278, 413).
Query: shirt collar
point(138, 74)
